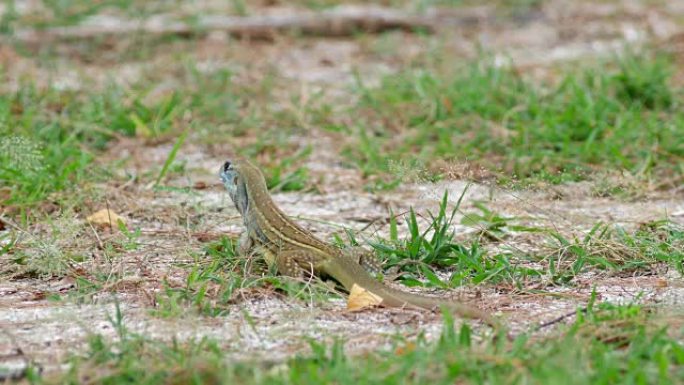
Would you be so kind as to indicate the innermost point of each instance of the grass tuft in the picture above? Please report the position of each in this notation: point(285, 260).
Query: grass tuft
point(608, 345)
point(620, 119)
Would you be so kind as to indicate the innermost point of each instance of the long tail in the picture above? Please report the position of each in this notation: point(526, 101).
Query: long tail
point(348, 273)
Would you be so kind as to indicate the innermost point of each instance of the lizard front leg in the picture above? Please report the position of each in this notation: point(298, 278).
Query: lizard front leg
point(248, 248)
point(245, 244)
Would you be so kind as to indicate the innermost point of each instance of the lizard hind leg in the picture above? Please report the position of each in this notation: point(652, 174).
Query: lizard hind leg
point(294, 263)
point(369, 261)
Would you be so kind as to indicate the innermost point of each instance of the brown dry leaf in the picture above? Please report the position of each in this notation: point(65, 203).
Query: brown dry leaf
point(360, 298)
point(5, 194)
point(407, 348)
point(105, 218)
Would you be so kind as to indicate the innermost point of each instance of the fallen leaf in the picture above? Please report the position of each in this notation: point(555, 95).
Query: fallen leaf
point(360, 298)
point(39, 296)
point(48, 207)
point(105, 218)
point(5, 194)
point(204, 236)
point(408, 348)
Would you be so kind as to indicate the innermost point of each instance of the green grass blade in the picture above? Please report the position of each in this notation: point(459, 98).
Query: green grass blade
point(171, 157)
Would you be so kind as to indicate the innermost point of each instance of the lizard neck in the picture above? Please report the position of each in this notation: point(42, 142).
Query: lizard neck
point(271, 221)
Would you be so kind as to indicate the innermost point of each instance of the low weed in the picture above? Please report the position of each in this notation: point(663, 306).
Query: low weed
point(617, 251)
point(587, 121)
point(434, 248)
point(591, 350)
point(426, 253)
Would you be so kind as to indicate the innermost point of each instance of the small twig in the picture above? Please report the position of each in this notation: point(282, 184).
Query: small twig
point(342, 21)
point(559, 319)
point(13, 225)
point(129, 182)
point(97, 236)
point(109, 214)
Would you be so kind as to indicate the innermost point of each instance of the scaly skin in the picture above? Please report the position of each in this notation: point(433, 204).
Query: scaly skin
point(294, 250)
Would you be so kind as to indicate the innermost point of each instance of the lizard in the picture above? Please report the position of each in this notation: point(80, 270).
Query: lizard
point(295, 251)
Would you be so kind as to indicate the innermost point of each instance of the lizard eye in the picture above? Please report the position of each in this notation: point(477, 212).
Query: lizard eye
point(227, 166)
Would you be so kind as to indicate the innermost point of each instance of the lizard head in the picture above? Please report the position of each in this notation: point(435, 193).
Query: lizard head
point(229, 175)
point(233, 181)
point(241, 178)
